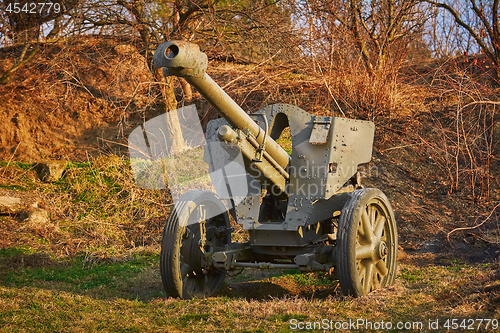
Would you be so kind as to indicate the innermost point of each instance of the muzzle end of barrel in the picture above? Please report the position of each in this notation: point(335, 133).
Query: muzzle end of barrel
point(180, 58)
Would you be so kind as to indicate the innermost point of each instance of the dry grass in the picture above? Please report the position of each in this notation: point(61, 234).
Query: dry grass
point(29, 302)
point(97, 207)
point(322, 91)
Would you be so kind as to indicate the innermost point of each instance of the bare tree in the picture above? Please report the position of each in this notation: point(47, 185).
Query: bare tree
point(21, 22)
point(214, 24)
point(481, 21)
point(152, 29)
point(443, 37)
point(375, 27)
point(23, 19)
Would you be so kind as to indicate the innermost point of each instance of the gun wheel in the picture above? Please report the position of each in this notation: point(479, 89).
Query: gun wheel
point(188, 238)
point(367, 243)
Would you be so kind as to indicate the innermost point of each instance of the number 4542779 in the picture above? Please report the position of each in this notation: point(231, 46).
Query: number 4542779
point(471, 324)
point(33, 8)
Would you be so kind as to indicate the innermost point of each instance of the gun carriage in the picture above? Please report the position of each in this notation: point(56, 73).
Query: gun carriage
point(307, 211)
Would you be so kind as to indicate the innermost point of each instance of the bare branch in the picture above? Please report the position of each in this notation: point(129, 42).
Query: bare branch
point(467, 27)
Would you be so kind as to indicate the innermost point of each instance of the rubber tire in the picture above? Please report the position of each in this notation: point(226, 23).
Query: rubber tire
point(170, 257)
point(347, 234)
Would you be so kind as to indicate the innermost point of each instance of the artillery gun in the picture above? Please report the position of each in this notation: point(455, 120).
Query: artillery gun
point(307, 211)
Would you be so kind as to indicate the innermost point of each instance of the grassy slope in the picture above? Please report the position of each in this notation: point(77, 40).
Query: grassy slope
point(112, 282)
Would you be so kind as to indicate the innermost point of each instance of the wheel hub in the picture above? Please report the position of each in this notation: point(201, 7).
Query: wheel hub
point(383, 250)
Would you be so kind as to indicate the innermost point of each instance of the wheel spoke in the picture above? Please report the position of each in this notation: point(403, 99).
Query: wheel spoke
point(363, 252)
point(361, 274)
point(382, 267)
point(367, 227)
point(372, 212)
point(361, 233)
point(368, 277)
point(379, 226)
point(361, 269)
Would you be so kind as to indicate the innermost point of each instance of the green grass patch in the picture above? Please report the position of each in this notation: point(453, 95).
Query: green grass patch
point(13, 187)
point(75, 165)
point(286, 317)
point(17, 176)
point(412, 275)
point(21, 165)
point(285, 141)
point(435, 274)
point(193, 317)
point(308, 279)
point(15, 251)
point(313, 279)
point(80, 275)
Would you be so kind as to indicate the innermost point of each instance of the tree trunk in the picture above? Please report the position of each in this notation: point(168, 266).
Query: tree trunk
point(358, 39)
point(186, 89)
point(496, 67)
point(19, 63)
point(177, 144)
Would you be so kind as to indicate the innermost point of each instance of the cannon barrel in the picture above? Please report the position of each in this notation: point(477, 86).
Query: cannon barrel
point(185, 60)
